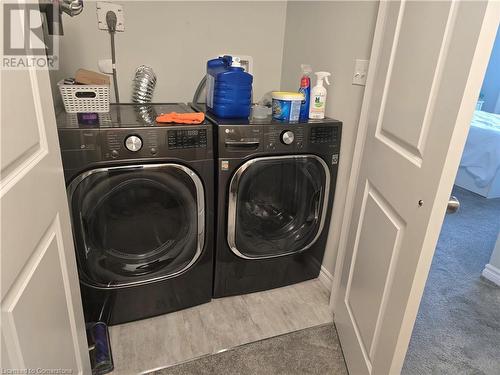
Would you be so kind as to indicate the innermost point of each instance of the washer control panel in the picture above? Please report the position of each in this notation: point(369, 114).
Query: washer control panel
point(281, 138)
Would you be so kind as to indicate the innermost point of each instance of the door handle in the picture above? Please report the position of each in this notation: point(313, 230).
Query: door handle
point(314, 207)
point(453, 205)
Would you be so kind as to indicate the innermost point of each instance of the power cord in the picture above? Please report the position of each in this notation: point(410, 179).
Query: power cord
point(111, 21)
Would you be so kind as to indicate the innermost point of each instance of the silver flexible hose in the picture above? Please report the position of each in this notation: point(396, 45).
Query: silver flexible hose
point(143, 85)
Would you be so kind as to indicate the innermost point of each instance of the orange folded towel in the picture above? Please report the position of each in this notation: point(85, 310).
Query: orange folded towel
point(181, 118)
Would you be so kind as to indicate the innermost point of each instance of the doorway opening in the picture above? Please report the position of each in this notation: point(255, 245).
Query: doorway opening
point(458, 323)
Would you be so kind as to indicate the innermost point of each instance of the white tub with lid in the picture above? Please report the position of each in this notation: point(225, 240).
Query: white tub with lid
point(286, 105)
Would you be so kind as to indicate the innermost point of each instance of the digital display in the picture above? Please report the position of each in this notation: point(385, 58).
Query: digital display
point(324, 134)
point(180, 139)
point(90, 118)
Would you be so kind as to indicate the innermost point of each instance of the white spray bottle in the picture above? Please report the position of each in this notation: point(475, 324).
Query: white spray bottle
point(318, 97)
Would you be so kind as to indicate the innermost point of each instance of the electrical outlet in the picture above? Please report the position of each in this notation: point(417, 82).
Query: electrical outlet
point(360, 72)
point(103, 8)
point(245, 61)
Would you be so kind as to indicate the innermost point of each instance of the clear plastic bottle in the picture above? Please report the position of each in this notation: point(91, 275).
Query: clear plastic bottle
point(318, 96)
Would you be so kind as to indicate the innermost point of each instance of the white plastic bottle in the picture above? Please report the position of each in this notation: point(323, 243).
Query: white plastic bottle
point(318, 97)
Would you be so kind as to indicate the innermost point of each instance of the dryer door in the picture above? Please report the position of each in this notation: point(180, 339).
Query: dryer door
point(277, 205)
point(136, 224)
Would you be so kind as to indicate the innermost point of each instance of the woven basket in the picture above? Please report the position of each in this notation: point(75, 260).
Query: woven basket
point(84, 98)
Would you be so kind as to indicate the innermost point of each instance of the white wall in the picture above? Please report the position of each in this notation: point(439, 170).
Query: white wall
point(330, 35)
point(176, 39)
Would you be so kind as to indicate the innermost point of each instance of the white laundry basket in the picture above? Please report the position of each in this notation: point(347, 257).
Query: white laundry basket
point(84, 98)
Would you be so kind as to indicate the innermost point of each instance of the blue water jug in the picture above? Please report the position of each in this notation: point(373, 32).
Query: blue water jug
point(229, 88)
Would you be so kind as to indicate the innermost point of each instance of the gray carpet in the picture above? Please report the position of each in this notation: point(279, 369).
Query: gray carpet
point(458, 325)
point(309, 351)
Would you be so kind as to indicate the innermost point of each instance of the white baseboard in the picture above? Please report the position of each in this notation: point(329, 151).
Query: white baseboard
point(491, 273)
point(326, 278)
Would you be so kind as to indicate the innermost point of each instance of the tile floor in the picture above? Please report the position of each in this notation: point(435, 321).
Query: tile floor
point(224, 323)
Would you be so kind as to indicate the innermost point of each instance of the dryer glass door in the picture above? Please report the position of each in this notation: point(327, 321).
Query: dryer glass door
point(277, 205)
point(136, 224)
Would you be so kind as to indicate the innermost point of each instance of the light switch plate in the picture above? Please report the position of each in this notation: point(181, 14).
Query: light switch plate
point(360, 72)
point(102, 10)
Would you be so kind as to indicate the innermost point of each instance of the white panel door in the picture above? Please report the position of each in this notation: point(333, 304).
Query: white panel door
point(428, 60)
point(41, 313)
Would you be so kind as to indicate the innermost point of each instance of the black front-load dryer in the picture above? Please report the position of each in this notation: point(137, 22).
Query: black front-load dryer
point(141, 203)
point(276, 184)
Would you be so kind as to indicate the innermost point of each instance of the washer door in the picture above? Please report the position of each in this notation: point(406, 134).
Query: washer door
point(277, 205)
point(136, 224)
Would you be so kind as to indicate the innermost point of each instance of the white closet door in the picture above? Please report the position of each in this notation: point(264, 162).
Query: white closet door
point(42, 317)
point(427, 65)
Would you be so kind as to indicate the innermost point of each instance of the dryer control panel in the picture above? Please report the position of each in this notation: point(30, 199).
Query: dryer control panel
point(82, 147)
point(189, 144)
point(131, 143)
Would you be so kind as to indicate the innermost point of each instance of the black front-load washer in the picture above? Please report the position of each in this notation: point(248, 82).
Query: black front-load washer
point(276, 184)
point(141, 203)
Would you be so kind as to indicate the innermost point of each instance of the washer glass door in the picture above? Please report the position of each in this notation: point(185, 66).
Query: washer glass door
point(277, 205)
point(136, 224)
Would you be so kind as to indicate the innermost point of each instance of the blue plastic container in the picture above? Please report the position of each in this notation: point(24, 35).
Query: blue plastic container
point(229, 88)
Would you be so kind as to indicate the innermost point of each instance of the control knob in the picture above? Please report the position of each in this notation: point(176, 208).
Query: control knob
point(133, 143)
point(287, 137)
